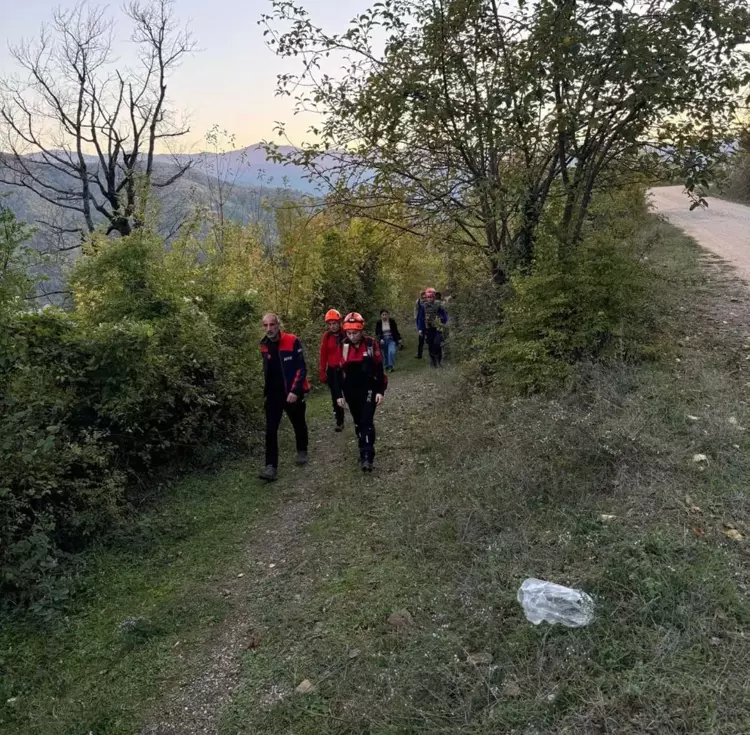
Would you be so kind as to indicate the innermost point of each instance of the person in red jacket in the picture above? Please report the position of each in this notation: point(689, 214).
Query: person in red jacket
point(285, 377)
point(360, 382)
point(330, 359)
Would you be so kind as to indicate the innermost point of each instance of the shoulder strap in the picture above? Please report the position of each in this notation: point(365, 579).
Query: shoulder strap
point(345, 350)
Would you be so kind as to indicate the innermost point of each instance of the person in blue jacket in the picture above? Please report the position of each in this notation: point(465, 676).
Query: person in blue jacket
point(430, 320)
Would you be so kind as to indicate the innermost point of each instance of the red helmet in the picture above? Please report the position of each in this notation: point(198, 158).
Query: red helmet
point(354, 322)
point(430, 292)
point(333, 316)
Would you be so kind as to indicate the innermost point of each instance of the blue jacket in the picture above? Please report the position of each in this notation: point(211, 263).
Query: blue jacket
point(420, 317)
point(292, 363)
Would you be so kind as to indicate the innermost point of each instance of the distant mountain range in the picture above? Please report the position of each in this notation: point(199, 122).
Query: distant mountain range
point(249, 177)
point(250, 166)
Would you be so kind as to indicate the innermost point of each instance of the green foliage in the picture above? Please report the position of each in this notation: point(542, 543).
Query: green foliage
point(139, 377)
point(472, 110)
point(15, 258)
point(586, 304)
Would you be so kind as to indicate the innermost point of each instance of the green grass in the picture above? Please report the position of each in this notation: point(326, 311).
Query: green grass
point(474, 492)
point(485, 492)
point(82, 672)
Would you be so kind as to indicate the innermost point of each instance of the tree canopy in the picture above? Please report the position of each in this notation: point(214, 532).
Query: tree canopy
point(480, 115)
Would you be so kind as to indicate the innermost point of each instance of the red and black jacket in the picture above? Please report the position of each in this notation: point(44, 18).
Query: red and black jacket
point(330, 353)
point(292, 359)
point(360, 369)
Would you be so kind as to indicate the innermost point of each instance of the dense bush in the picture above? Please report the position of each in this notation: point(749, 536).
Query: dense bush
point(142, 374)
point(589, 303)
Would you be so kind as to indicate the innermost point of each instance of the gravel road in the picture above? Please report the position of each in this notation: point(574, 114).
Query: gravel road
point(723, 228)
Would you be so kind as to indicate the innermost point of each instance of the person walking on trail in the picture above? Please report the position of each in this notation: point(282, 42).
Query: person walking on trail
point(330, 359)
point(286, 384)
point(417, 308)
point(360, 382)
point(430, 321)
point(386, 331)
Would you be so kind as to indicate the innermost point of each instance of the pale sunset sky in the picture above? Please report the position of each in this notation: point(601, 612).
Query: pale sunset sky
point(229, 81)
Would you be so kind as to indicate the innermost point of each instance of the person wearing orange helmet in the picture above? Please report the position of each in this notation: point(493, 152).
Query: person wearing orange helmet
point(330, 359)
point(360, 382)
point(431, 319)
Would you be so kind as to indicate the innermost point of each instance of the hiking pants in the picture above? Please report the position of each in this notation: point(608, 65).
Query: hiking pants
point(420, 347)
point(275, 406)
point(338, 412)
point(362, 407)
point(435, 345)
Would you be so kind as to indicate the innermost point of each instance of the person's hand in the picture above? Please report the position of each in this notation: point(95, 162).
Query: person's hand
point(378, 399)
point(420, 332)
point(292, 398)
point(340, 402)
point(324, 379)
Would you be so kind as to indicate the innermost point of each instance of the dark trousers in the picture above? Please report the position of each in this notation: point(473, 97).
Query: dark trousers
point(338, 412)
point(275, 407)
point(420, 347)
point(362, 407)
point(435, 345)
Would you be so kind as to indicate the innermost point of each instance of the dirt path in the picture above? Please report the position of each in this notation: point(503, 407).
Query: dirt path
point(277, 555)
point(723, 228)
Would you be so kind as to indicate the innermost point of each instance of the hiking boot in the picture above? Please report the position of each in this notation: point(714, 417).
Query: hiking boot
point(339, 428)
point(301, 458)
point(268, 474)
point(365, 465)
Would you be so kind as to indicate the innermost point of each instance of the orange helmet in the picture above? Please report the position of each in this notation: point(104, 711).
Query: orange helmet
point(430, 292)
point(333, 316)
point(354, 322)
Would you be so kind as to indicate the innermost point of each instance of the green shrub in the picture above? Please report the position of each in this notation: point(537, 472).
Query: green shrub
point(140, 377)
point(589, 303)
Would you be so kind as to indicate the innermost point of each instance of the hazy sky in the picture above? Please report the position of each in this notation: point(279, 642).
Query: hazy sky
point(230, 81)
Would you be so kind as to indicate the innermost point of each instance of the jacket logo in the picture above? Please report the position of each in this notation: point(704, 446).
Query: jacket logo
point(287, 358)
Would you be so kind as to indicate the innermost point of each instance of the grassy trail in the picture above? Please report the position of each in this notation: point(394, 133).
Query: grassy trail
point(597, 488)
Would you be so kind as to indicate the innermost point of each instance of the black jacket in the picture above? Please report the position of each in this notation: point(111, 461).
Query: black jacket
point(361, 370)
point(394, 330)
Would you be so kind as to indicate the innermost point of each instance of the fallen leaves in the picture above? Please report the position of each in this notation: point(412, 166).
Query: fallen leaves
point(511, 689)
point(305, 687)
point(732, 533)
point(400, 619)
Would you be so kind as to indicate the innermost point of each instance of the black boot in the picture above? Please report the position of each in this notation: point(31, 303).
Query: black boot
point(268, 474)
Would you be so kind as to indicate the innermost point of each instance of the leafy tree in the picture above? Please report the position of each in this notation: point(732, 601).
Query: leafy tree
point(476, 114)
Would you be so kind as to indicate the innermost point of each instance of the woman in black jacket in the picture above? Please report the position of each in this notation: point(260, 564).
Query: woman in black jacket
point(386, 331)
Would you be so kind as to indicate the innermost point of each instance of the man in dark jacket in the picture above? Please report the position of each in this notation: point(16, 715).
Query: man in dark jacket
point(286, 384)
point(361, 382)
